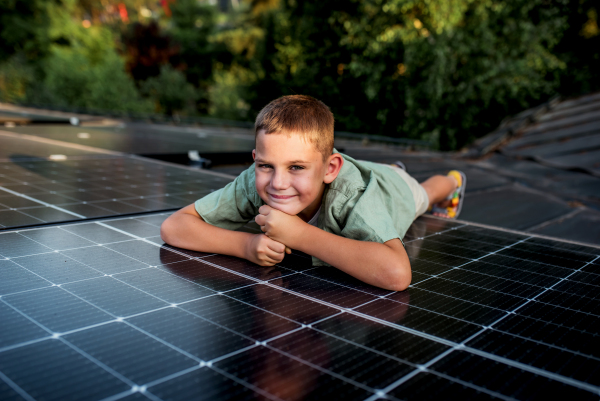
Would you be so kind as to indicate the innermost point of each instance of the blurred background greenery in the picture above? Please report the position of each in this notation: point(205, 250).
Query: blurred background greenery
point(446, 71)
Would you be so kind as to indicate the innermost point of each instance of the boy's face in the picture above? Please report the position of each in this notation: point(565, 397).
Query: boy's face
point(291, 173)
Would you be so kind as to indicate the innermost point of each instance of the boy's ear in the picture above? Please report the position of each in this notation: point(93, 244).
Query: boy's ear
point(253, 154)
point(334, 165)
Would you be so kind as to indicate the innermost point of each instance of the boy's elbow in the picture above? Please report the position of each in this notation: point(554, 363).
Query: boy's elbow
point(395, 267)
point(401, 285)
point(398, 279)
point(166, 231)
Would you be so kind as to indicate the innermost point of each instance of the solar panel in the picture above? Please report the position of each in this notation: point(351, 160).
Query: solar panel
point(113, 313)
point(20, 148)
point(26, 117)
point(38, 191)
point(147, 138)
point(45, 181)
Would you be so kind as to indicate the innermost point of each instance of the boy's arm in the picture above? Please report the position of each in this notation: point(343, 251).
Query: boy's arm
point(186, 229)
point(383, 265)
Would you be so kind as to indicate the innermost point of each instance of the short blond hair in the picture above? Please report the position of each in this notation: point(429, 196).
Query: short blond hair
point(299, 115)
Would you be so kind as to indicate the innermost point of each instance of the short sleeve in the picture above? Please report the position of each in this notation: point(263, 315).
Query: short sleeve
point(367, 219)
point(233, 205)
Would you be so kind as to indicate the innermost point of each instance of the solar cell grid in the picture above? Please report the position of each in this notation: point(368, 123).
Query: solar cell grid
point(113, 307)
point(433, 386)
point(286, 377)
point(500, 378)
point(571, 301)
point(544, 356)
point(34, 192)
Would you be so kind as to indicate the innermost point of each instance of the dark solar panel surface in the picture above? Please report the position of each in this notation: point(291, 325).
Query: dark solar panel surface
point(16, 147)
point(104, 310)
point(145, 138)
point(7, 115)
point(37, 191)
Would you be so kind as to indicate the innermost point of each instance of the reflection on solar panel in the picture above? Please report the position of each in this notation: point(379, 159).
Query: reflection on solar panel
point(112, 313)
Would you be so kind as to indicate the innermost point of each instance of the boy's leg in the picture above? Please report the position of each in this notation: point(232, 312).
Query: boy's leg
point(434, 191)
point(418, 192)
point(438, 188)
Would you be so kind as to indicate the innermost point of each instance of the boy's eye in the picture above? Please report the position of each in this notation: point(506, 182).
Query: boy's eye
point(264, 165)
point(297, 168)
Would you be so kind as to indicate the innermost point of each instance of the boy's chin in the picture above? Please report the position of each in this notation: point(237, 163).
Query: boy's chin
point(288, 209)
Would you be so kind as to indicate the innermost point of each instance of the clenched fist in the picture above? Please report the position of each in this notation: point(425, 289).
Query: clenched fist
point(264, 251)
point(279, 226)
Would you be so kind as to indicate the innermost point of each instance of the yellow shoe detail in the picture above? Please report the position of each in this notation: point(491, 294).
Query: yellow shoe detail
point(456, 176)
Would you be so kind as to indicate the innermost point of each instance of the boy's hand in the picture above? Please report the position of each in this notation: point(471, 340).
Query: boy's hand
point(264, 251)
point(278, 225)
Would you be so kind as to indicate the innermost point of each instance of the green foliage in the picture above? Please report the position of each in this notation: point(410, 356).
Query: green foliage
point(414, 68)
point(170, 92)
point(80, 66)
point(315, 39)
point(447, 71)
point(192, 25)
point(67, 32)
point(227, 93)
point(83, 69)
point(16, 77)
point(72, 79)
point(239, 67)
point(23, 28)
point(462, 80)
point(580, 47)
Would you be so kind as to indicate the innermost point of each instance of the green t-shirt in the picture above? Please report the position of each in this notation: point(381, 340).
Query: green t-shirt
point(367, 202)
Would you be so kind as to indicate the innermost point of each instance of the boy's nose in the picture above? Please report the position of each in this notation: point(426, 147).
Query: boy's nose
point(279, 181)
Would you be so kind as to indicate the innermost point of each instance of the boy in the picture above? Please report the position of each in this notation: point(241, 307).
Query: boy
point(306, 196)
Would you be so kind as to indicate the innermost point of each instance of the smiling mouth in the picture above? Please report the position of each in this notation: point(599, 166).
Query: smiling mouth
point(282, 197)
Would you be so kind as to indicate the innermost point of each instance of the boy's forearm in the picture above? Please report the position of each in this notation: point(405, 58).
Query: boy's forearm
point(191, 232)
point(383, 265)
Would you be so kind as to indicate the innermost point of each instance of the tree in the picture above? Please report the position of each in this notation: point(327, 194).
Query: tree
point(170, 92)
point(148, 49)
point(83, 68)
point(24, 28)
point(447, 71)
